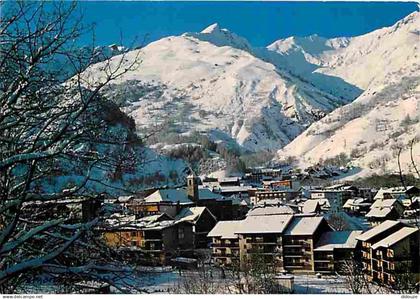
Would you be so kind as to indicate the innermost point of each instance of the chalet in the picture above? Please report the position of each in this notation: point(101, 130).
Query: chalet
point(314, 206)
point(266, 210)
point(384, 209)
point(157, 238)
point(299, 240)
point(225, 243)
point(203, 222)
point(397, 192)
point(169, 201)
point(344, 187)
point(371, 237)
point(335, 198)
point(396, 256)
point(358, 206)
point(333, 249)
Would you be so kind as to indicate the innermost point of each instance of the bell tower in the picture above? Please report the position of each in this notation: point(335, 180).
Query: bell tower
point(192, 187)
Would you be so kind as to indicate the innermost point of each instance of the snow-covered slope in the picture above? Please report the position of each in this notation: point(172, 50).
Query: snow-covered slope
point(215, 82)
point(385, 117)
point(361, 60)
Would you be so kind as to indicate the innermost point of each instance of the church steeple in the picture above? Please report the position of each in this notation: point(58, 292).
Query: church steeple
point(192, 187)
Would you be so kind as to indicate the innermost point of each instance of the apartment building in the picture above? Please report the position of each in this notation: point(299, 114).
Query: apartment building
point(262, 236)
point(385, 209)
point(396, 256)
point(299, 240)
point(225, 243)
point(371, 237)
point(334, 249)
point(335, 198)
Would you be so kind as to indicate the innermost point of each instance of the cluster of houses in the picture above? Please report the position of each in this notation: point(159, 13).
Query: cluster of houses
point(273, 217)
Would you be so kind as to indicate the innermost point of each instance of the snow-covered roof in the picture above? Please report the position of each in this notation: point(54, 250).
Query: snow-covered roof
point(377, 230)
point(337, 239)
point(169, 195)
point(229, 189)
point(191, 214)
point(382, 203)
point(181, 196)
point(239, 201)
point(153, 222)
point(356, 202)
point(328, 191)
point(156, 217)
point(396, 237)
point(270, 210)
point(303, 225)
point(225, 229)
point(269, 202)
point(379, 212)
point(229, 179)
point(394, 191)
point(310, 206)
point(71, 201)
point(264, 224)
point(206, 194)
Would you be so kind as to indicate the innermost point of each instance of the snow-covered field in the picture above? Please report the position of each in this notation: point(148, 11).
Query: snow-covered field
point(310, 284)
point(158, 280)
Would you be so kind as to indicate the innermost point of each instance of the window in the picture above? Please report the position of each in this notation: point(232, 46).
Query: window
point(181, 233)
point(133, 243)
point(133, 234)
point(390, 253)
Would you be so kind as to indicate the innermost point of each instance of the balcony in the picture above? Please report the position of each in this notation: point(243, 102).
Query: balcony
point(262, 240)
point(295, 265)
point(325, 260)
point(224, 245)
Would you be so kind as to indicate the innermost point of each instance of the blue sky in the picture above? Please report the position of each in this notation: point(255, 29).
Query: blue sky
point(260, 22)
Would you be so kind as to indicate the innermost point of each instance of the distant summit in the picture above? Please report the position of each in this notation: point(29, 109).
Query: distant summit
point(221, 37)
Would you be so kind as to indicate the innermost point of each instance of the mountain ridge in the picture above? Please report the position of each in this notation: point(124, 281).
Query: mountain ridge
point(385, 117)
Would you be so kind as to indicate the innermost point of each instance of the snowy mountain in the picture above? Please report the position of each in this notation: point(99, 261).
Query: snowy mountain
point(386, 116)
point(215, 82)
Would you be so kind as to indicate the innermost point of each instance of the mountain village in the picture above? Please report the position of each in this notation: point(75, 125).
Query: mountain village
point(200, 163)
point(296, 229)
